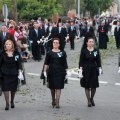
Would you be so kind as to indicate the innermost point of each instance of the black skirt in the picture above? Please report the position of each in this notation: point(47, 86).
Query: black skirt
point(9, 83)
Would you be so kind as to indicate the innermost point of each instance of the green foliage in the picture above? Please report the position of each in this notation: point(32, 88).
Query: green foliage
point(28, 9)
point(94, 5)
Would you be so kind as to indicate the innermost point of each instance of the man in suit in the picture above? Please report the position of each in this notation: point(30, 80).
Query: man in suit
point(72, 33)
point(36, 48)
point(49, 34)
point(62, 34)
point(2, 36)
point(117, 34)
point(42, 29)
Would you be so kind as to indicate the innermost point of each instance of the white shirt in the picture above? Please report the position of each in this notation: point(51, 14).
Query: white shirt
point(50, 28)
point(36, 31)
point(4, 34)
point(59, 29)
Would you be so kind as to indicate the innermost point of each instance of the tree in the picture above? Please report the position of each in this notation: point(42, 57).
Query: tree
point(94, 5)
point(15, 10)
point(36, 8)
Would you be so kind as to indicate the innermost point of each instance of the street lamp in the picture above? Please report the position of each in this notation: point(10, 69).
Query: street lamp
point(78, 8)
point(119, 6)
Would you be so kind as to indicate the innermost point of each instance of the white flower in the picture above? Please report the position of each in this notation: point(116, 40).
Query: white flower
point(95, 53)
point(60, 54)
point(16, 57)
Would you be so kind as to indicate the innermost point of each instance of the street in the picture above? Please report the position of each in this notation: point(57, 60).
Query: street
point(33, 101)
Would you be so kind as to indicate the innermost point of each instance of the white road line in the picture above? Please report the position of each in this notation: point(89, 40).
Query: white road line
point(77, 79)
point(74, 79)
point(117, 83)
point(103, 82)
point(33, 74)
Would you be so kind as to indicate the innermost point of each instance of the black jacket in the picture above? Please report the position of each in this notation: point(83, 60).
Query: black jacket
point(72, 33)
point(34, 36)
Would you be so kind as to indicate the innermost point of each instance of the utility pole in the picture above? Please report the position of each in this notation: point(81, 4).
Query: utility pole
point(119, 6)
point(78, 8)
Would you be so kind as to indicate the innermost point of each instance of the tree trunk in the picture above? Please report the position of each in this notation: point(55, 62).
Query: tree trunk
point(15, 11)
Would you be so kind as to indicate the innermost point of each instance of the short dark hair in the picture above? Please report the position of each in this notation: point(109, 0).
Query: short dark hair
point(56, 38)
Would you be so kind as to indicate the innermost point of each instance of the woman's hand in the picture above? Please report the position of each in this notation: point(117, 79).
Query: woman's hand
point(100, 71)
point(80, 73)
point(45, 74)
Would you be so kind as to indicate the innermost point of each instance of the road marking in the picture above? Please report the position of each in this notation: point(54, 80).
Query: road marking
point(75, 79)
point(72, 79)
point(117, 83)
point(103, 82)
point(33, 74)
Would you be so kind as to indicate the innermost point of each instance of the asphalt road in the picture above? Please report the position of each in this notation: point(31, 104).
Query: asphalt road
point(33, 102)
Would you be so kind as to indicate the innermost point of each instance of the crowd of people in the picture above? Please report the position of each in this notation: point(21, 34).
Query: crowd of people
point(18, 43)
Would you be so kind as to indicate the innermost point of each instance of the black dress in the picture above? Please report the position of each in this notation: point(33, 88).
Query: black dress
point(90, 61)
point(57, 69)
point(9, 67)
point(103, 38)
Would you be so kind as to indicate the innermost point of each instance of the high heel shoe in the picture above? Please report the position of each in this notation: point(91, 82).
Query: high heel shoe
point(7, 107)
point(57, 105)
point(89, 104)
point(12, 105)
point(53, 104)
point(92, 102)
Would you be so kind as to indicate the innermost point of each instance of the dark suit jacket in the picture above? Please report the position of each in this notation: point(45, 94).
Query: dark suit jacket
point(63, 33)
point(52, 32)
point(2, 40)
point(72, 33)
point(42, 29)
point(34, 36)
point(117, 33)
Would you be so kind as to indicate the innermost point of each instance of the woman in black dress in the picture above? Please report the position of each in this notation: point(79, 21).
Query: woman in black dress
point(10, 66)
point(90, 66)
point(57, 63)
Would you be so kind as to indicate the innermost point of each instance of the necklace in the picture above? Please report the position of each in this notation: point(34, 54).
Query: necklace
point(90, 52)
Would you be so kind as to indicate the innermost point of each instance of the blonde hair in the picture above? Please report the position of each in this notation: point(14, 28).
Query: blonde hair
point(13, 47)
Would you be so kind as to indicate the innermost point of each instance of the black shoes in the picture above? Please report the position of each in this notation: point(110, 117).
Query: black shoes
point(57, 105)
point(53, 104)
point(92, 102)
point(7, 107)
point(12, 105)
point(89, 104)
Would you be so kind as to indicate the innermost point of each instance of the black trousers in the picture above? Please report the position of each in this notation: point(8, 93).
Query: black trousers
point(72, 42)
point(48, 46)
point(36, 51)
point(42, 49)
point(117, 42)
